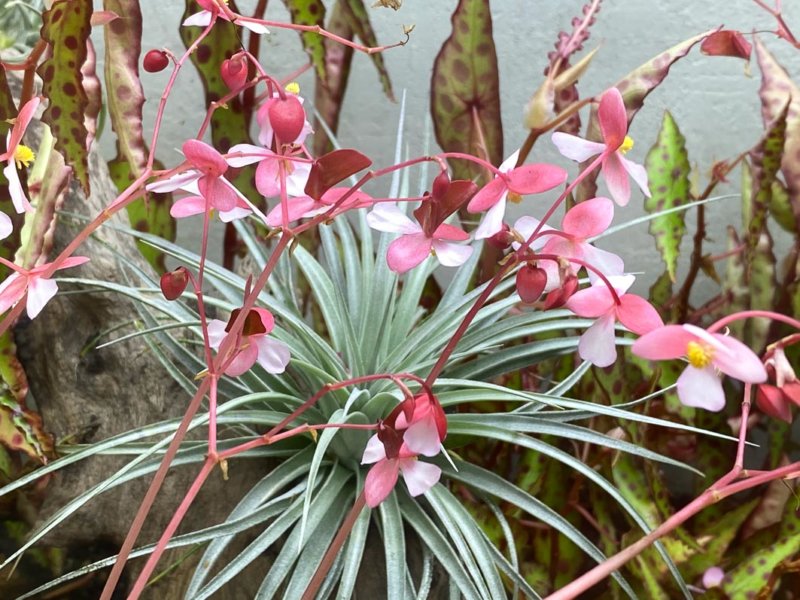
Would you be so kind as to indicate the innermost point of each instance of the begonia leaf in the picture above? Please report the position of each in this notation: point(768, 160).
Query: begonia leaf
point(668, 171)
point(359, 21)
point(311, 12)
point(465, 90)
point(332, 168)
point(66, 29)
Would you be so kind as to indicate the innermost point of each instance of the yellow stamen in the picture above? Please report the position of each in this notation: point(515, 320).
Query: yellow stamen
point(514, 197)
point(293, 87)
point(23, 156)
point(627, 144)
point(699, 355)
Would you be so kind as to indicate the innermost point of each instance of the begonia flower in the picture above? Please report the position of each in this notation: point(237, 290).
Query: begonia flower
point(303, 207)
point(266, 133)
point(597, 345)
point(699, 385)
point(16, 156)
point(583, 221)
point(616, 143)
point(40, 289)
point(268, 181)
point(415, 427)
point(519, 181)
point(255, 344)
point(210, 9)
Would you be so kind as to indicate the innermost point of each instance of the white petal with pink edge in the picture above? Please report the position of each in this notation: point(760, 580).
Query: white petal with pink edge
point(201, 19)
point(598, 343)
point(380, 481)
point(374, 451)
point(422, 437)
point(389, 218)
point(451, 255)
point(419, 476)
point(701, 388)
point(273, 354)
point(40, 291)
point(575, 148)
point(492, 221)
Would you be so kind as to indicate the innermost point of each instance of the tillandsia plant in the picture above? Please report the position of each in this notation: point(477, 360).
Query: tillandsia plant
point(374, 408)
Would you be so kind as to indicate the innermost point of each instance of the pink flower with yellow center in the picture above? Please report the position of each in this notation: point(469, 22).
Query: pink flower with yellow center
point(699, 385)
point(17, 156)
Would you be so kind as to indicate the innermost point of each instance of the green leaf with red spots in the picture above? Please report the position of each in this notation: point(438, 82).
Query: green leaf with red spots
point(310, 12)
point(66, 28)
point(20, 429)
point(778, 90)
point(668, 171)
point(123, 45)
point(230, 125)
point(465, 90)
point(635, 87)
point(359, 21)
point(780, 207)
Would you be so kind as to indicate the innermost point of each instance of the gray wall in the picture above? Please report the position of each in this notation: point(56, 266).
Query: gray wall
point(714, 100)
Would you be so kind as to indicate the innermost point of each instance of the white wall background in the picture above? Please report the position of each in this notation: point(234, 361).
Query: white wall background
point(713, 99)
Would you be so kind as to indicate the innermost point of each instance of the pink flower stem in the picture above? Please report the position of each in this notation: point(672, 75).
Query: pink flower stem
point(711, 496)
point(483, 163)
point(738, 465)
point(175, 521)
point(333, 549)
point(751, 314)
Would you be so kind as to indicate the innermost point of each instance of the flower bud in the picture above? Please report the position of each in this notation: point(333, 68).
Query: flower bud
point(531, 282)
point(287, 118)
point(773, 402)
point(234, 71)
point(155, 61)
point(502, 239)
point(174, 282)
point(558, 297)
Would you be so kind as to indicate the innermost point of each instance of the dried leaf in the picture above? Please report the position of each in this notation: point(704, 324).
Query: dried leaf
point(668, 171)
point(465, 90)
point(66, 29)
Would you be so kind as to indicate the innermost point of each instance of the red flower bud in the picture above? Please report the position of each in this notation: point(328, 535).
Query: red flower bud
point(155, 61)
point(531, 281)
point(287, 118)
point(174, 282)
point(502, 239)
point(234, 71)
point(773, 402)
point(440, 184)
point(557, 298)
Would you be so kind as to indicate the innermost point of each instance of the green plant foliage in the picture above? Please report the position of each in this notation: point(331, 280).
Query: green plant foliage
point(66, 29)
point(668, 171)
point(465, 90)
point(358, 19)
point(311, 13)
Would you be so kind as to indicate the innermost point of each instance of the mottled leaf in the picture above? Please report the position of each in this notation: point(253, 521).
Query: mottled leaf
point(310, 12)
point(762, 283)
point(635, 87)
point(229, 125)
point(465, 90)
point(777, 89)
point(123, 45)
point(359, 22)
point(734, 284)
point(66, 28)
point(765, 160)
point(94, 93)
point(338, 58)
point(781, 208)
point(668, 171)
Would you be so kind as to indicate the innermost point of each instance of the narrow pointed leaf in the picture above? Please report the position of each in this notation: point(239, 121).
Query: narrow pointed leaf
point(359, 22)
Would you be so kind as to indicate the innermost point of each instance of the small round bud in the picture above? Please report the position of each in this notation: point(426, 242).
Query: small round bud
point(174, 282)
point(531, 282)
point(287, 118)
point(234, 71)
point(155, 61)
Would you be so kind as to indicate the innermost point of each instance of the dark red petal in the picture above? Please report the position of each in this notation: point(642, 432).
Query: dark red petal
point(727, 43)
point(174, 283)
point(531, 282)
point(771, 401)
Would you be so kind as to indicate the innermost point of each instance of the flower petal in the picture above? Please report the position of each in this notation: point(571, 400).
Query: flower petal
point(488, 195)
point(238, 212)
point(407, 251)
point(419, 476)
point(296, 208)
point(201, 19)
point(18, 198)
point(616, 178)
point(536, 178)
point(256, 28)
point(701, 388)
point(40, 291)
point(273, 354)
point(576, 148)
point(244, 359)
point(422, 437)
point(6, 226)
point(380, 481)
point(451, 255)
point(252, 154)
point(739, 361)
point(492, 221)
point(11, 290)
point(591, 302)
point(450, 233)
point(389, 218)
point(20, 125)
point(613, 118)
point(170, 184)
point(188, 207)
point(589, 218)
point(608, 263)
point(663, 343)
point(598, 343)
point(218, 192)
point(374, 451)
point(204, 157)
point(525, 226)
point(638, 315)
point(216, 332)
point(638, 173)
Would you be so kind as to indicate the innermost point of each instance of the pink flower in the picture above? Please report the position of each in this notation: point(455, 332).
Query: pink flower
point(303, 207)
point(266, 133)
point(268, 180)
point(16, 156)
point(210, 9)
point(40, 289)
point(598, 343)
point(776, 400)
point(205, 179)
point(583, 221)
point(415, 427)
point(414, 246)
point(614, 166)
point(254, 345)
point(699, 385)
point(526, 179)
